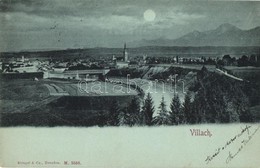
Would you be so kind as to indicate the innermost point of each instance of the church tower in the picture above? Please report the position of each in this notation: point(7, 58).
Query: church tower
point(125, 54)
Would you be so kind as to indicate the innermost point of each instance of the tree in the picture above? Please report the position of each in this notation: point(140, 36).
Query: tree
point(245, 116)
point(220, 63)
point(199, 116)
point(243, 61)
point(148, 110)
point(175, 107)
point(221, 100)
point(242, 105)
point(113, 114)
point(202, 73)
point(187, 109)
point(227, 60)
point(122, 117)
point(133, 112)
point(142, 116)
point(163, 117)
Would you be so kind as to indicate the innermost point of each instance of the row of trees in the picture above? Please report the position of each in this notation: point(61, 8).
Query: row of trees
point(188, 112)
point(133, 114)
point(227, 60)
point(216, 99)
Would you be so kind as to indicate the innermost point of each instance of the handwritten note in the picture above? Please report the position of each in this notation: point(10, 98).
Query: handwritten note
point(242, 138)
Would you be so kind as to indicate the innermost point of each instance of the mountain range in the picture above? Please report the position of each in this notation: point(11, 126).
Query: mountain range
point(224, 35)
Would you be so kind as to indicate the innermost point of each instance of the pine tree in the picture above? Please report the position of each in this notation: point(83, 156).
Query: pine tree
point(198, 107)
point(122, 117)
point(142, 116)
point(133, 112)
point(163, 117)
point(187, 109)
point(246, 116)
point(113, 114)
point(242, 108)
point(148, 110)
point(175, 107)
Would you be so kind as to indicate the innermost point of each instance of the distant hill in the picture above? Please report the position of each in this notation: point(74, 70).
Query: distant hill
point(151, 51)
point(224, 35)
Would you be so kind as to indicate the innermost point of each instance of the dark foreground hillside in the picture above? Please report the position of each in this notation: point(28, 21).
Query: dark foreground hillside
point(221, 99)
point(27, 103)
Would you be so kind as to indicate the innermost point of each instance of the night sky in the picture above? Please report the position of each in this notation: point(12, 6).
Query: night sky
point(61, 24)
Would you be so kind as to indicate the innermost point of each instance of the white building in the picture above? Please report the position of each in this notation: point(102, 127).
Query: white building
point(121, 64)
point(90, 74)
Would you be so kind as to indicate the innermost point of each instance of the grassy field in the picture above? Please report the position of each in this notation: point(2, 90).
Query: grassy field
point(247, 73)
point(29, 103)
point(17, 95)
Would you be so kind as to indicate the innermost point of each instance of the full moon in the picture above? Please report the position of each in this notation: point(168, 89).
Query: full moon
point(149, 15)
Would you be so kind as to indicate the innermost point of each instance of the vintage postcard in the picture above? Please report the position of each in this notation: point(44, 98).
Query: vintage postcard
point(129, 83)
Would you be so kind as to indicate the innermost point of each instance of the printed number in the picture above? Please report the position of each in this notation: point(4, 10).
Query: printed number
point(75, 162)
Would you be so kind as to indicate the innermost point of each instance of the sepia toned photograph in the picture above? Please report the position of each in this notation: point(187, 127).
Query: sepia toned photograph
point(121, 65)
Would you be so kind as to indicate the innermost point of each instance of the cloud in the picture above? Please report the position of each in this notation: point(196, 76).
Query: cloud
point(19, 22)
point(181, 18)
point(101, 22)
point(29, 15)
point(113, 22)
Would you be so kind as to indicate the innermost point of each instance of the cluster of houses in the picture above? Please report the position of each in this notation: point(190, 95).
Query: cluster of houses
point(88, 69)
point(93, 69)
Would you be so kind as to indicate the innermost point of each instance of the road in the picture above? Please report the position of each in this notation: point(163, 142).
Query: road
point(211, 68)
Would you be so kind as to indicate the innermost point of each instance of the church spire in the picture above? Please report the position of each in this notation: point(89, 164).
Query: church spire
point(125, 53)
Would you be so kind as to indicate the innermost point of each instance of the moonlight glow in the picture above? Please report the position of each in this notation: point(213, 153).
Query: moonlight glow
point(149, 15)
